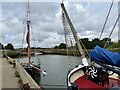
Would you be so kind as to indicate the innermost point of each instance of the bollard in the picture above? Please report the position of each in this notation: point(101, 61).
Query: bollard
point(14, 63)
point(26, 86)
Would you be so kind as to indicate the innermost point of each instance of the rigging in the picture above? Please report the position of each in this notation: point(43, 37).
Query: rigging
point(112, 30)
point(106, 19)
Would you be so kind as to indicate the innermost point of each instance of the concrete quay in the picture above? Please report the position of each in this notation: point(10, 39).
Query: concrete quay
point(8, 79)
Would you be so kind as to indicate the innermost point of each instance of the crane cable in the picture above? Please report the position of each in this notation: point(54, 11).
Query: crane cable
point(106, 19)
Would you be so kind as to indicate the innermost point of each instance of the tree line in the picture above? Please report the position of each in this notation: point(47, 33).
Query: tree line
point(91, 44)
point(8, 46)
point(86, 42)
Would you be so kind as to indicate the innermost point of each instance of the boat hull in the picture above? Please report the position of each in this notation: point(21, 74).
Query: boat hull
point(79, 80)
point(34, 74)
point(83, 82)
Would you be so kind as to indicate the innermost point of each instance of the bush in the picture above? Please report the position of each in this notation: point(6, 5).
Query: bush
point(12, 54)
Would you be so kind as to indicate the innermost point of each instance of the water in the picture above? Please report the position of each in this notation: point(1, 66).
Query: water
point(56, 67)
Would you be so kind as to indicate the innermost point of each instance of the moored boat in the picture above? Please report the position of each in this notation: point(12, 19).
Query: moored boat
point(96, 74)
point(33, 69)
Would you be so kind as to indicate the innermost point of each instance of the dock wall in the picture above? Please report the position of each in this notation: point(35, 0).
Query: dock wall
point(25, 77)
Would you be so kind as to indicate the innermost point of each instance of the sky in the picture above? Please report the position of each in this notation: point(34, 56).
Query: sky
point(46, 22)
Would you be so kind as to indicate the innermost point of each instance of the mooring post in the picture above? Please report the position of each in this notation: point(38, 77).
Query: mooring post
point(26, 86)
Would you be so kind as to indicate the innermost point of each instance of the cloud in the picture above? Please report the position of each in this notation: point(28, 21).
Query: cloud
point(46, 21)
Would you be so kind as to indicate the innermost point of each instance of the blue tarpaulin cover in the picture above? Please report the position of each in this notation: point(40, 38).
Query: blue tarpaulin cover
point(106, 56)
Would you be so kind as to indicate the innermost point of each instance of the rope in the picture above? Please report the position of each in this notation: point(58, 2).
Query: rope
point(23, 31)
point(22, 40)
point(84, 48)
point(35, 45)
point(70, 42)
point(106, 19)
point(112, 31)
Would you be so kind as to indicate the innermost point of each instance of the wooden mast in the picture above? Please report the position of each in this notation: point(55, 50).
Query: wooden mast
point(82, 54)
point(28, 33)
point(73, 31)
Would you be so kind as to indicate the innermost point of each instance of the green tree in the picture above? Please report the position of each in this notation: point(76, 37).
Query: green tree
point(113, 45)
point(1, 46)
point(104, 40)
point(119, 43)
point(95, 42)
point(56, 47)
point(86, 43)
point(62, 46)
point(9, 46)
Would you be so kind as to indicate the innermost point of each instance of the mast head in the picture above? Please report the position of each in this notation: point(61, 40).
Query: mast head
point(62, 2)
point(28, 12)
point(28, 4)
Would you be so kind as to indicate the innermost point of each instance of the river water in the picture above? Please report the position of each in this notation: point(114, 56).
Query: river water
point(56, 67)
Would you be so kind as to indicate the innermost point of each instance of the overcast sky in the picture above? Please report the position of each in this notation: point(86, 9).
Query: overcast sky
point(46, 23)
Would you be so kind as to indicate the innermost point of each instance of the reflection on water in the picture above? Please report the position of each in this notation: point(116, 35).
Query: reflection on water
point(56, 67)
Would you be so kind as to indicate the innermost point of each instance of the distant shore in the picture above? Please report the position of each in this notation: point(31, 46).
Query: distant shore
point(16, 54)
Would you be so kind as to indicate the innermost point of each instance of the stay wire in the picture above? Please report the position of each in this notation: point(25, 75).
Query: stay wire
point(67, 41)
point(35, 45)
point(112, 31)
point(22, 39)
point(85, 49)
point(106, 19)
point(25, 26)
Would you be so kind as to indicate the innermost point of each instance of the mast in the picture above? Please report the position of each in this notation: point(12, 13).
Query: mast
point(64, 12)
point(28, 33)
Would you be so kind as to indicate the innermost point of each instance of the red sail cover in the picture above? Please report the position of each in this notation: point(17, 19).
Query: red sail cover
point(27, 37)
point(100, 54)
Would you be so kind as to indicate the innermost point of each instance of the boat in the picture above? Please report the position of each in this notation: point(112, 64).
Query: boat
point(100, 73)
point(38, 53)
point(33, 69)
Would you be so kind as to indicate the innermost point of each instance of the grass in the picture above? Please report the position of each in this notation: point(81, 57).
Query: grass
point(12, 53)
